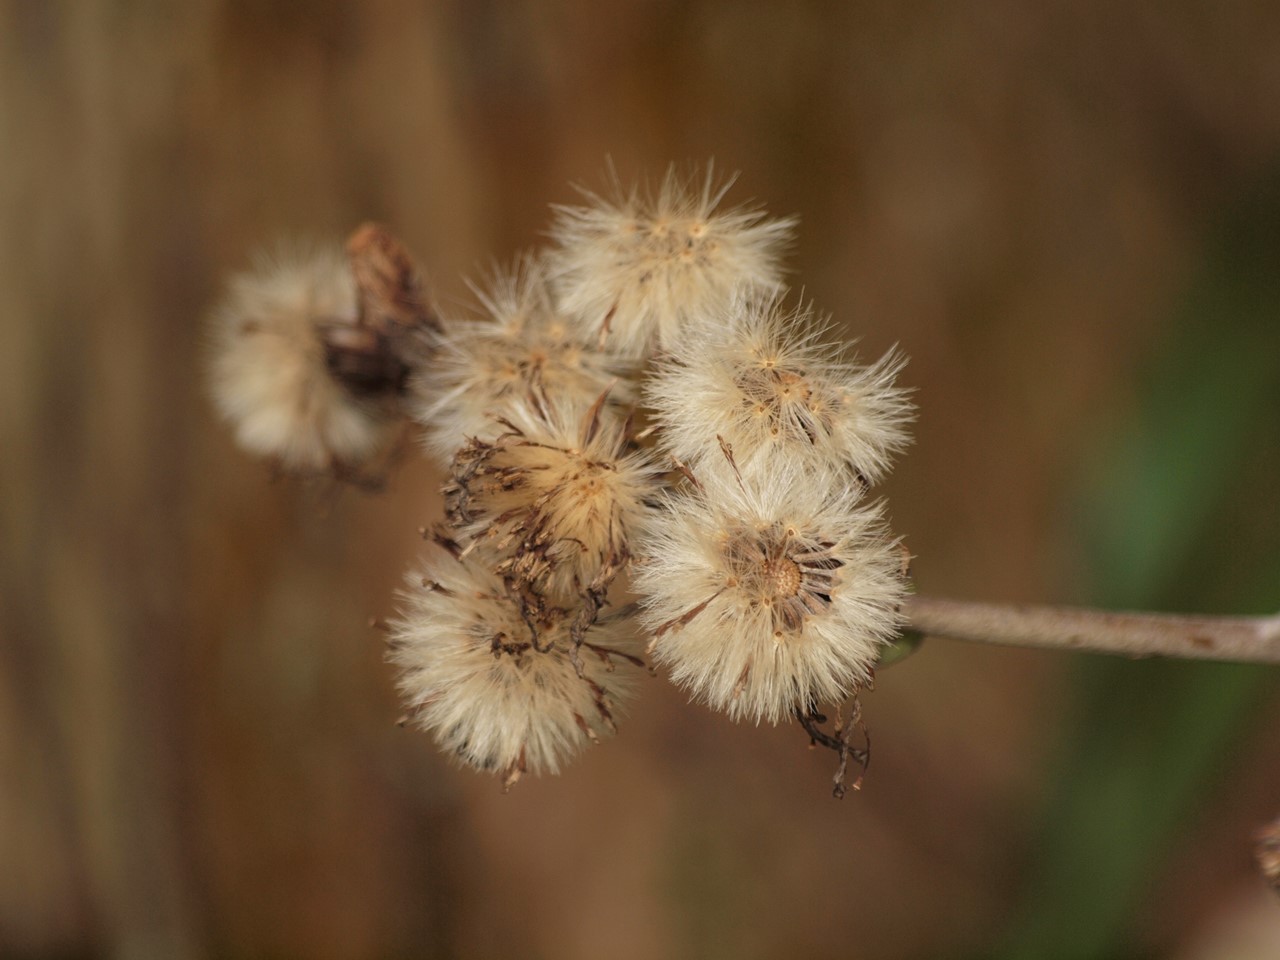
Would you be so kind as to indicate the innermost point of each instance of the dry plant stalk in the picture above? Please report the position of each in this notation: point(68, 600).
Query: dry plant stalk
point(1244, 639)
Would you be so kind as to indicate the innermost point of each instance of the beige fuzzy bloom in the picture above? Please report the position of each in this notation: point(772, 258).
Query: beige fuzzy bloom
point(634, 269)
point(517, 354)
point(771, 594)
point(763, 381)
point(470, 675)
point(275, 336)
point(552, 503)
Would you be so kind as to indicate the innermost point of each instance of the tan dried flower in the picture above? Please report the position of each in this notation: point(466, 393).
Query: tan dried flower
point(517, 355)
point(634, 269)
point(553, 503)
point(281, 335)
point(471, 676)
point(769, 595)
point(762, 381)
point(1267, 852)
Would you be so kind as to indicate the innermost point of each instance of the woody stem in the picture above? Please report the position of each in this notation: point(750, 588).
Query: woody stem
point(1243, 639)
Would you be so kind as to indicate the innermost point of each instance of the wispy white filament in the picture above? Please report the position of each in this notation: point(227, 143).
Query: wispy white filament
point(554, 501)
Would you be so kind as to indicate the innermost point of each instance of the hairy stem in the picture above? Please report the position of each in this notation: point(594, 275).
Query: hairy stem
point(1245, 639)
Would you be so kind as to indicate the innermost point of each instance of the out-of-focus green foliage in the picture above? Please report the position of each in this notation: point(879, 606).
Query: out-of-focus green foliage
point(1179, 514)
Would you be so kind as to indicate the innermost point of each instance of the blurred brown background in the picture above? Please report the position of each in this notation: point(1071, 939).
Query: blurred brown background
point(1064, 213)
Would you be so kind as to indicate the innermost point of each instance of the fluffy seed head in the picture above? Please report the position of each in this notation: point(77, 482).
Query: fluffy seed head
point(471, 676)
point(519, 353)
point(635, 269)
point(763, 381)
point(769, 595)
point(278, 337)
point(553, 502)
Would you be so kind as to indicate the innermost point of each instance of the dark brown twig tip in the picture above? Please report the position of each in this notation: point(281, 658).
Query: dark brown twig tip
point(839, 741)
point(388, 281)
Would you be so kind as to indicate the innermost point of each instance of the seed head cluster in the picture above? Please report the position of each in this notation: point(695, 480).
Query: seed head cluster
point(632, 414)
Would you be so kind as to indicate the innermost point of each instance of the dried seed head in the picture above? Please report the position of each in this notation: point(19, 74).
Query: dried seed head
point(633, 270)
point(287, 372)
point(762, 382)
point(551, 504)
point(471, 676)
point(517, 355)
point(769, 595)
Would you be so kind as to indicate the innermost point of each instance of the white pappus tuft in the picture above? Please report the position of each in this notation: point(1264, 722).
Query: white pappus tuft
point(471, 676)
point(762, 381)
point(553, 502)
point(633, 270)
point(275, 337)
point(517, 355)
point(771, 594)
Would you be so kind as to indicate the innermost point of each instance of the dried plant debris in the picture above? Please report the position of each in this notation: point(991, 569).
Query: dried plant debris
point(392, 295)
point(847, 724)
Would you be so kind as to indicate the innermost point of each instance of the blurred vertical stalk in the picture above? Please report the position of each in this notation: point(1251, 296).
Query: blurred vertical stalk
point(94, 439)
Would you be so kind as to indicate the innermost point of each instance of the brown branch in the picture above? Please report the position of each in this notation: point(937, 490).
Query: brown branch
point(1244, 639)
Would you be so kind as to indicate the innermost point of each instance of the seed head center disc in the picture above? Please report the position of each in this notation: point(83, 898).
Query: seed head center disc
point(783, 574)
